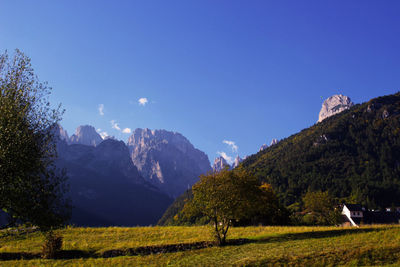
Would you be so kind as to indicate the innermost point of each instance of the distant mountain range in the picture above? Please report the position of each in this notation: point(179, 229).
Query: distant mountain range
point(113, 183)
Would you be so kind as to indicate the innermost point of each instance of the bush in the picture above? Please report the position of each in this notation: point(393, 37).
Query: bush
point(52, 245)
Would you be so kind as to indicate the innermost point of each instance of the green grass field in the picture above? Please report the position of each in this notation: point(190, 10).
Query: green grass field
point(301, 246)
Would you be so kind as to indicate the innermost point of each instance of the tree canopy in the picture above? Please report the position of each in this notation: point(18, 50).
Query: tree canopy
point(227, 197)
point(31, 187)
point(321, 209)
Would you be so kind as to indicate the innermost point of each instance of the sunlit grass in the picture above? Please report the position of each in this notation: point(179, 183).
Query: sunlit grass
point(369, 245)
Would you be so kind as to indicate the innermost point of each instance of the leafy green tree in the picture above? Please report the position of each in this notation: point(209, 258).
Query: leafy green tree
point(269, 211)
point(224, 197)
point(31, 187)
point(320, 208)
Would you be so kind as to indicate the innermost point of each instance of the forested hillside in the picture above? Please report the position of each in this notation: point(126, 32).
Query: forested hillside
point(354, 154)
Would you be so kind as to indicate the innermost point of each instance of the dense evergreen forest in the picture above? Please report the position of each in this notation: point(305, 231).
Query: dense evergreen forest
point(354, 155)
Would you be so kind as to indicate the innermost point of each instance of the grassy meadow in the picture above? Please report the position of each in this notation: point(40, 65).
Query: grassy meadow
point(301, 246)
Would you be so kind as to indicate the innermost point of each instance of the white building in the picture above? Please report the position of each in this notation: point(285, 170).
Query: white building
point(354, 213)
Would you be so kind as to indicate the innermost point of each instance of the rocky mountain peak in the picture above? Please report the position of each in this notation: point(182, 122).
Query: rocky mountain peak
point(147, 137)
point(167, 159)
point(237, 162)
point(273, 142)
point(219, 164)
point(86, 135)
point(264, 146)
point(60, 133)
point(333, 105)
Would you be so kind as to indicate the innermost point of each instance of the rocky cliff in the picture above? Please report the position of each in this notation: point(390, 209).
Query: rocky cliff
point(333, 105)
point(237, 162)
point(167, 159)
point(220, 164)
point(86, 135)
point(273, 142)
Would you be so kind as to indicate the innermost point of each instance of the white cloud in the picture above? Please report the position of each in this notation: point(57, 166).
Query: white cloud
point(104, 135)
point(101, 109)
point(232, 144)
point(143, 101)
point(127, 130)
point(114, 125)
point(225, 156)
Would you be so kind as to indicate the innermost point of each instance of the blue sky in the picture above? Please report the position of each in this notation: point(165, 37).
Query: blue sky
point(241, 71)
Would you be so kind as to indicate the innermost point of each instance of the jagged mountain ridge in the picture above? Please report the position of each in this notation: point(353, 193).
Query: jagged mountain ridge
point(104, 176)
point(167, 159)
point(274, 141)
point(85, 135)
point(106, 189)
point(219, 164)
point(236, 162)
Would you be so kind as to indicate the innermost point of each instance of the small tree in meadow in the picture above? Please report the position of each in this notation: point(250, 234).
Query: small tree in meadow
point(224, 197)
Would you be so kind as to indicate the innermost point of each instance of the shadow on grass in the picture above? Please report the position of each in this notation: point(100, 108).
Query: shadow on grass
point(315, 234)
point(9, 256)
point(148, 250)
point(63, 254)
point(354, 257)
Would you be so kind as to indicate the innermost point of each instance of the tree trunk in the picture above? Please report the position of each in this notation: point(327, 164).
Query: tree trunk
point(224, 232)
point(217, 234)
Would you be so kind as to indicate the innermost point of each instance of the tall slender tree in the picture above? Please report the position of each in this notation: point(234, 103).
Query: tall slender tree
point(32, 189)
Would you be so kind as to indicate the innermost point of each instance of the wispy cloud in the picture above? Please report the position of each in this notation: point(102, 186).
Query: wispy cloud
point(143, 101)
point(101, 109)
point(114, 125)
point(225, 156)
point(127, 130)
point(232, 144)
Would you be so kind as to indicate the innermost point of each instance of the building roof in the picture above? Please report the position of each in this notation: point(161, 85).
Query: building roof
point(354, 207)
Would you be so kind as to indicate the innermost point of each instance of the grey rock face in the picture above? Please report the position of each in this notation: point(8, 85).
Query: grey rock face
point(264, 146)
point(167, 159)
point(61, 134)
point(273, 142)
point(219, 164)
point(86, 135)
point(385, 114)
point(111, 158)
point(237, 162)
point(333, 105)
